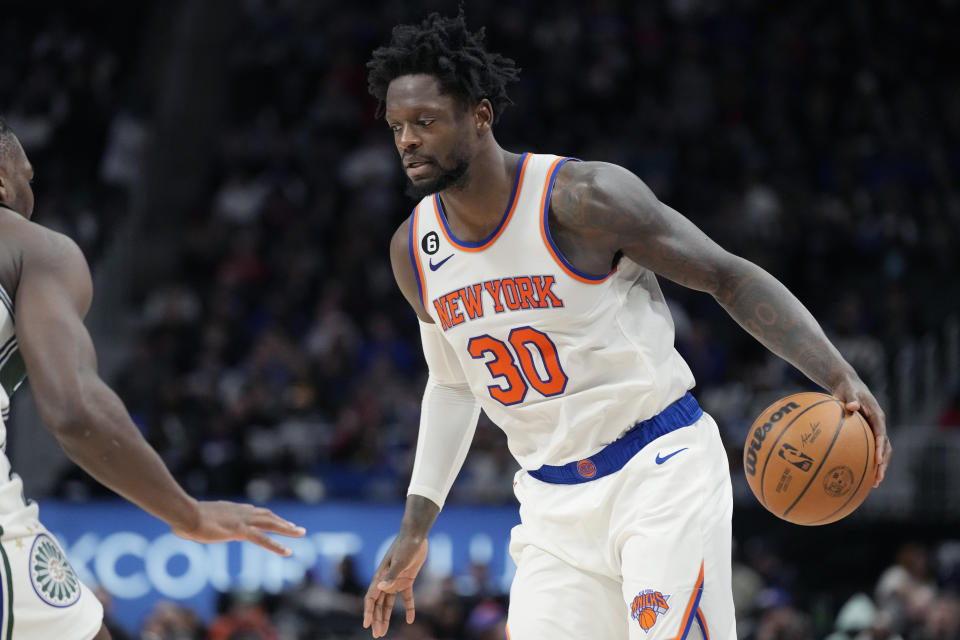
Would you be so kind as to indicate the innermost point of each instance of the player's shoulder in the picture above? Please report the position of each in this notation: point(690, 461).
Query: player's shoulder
point(403, 270)
point(401, 236)
point(35, 244)
point(592, 177)
point(400, 244)
point(28, 246)
point(587, 193)
point(581, 187)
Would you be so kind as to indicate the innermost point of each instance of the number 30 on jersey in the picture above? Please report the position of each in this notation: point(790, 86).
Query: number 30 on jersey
point(513, 363)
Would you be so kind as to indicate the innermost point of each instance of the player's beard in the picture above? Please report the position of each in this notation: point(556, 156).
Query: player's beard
point(446, 178)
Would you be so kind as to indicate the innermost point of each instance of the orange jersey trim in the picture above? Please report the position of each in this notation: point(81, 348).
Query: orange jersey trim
point(483, 244)
point(580, 276)
point(415, 255)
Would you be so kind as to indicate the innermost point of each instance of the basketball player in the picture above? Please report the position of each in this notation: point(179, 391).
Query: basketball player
point(534, 279)
point(45, 291)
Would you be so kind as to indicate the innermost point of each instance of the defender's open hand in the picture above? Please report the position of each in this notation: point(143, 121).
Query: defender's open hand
point(222, 521)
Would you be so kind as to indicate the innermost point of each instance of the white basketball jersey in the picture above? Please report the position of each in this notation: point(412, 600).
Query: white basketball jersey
point(13, 508)
point(564, 362)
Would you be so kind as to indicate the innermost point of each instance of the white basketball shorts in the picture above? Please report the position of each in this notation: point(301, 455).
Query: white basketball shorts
point(41, 597)
point(642, 553)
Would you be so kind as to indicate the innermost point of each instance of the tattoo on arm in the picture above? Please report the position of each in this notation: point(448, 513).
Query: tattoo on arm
point(767, 310)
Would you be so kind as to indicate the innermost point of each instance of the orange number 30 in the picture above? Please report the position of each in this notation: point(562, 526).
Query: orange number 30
point(525, 342)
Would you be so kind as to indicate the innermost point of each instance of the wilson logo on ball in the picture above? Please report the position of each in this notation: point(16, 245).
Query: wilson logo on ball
point(760, 434)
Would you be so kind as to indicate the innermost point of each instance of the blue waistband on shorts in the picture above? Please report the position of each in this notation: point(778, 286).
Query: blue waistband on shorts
point(682, 413)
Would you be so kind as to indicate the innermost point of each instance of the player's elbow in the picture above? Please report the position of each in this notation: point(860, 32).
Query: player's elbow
point(70, 413)
point(732, 274)
point(65, 419)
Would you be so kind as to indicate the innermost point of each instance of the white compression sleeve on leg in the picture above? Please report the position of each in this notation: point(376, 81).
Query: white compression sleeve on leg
point(448, 419)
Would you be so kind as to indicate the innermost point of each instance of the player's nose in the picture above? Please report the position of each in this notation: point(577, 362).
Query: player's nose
point(407, 138)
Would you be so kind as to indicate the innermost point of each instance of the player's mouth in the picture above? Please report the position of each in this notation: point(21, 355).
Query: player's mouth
point(417, 168)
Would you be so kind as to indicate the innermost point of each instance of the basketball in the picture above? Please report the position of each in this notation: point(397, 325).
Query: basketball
point(648, 618)
point(808, 460)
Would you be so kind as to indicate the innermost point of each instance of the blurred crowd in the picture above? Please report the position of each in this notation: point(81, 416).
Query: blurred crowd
point(275, 358)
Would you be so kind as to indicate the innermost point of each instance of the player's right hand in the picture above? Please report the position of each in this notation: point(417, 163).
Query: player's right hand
point(222, 521)
point(395, 575)
point(857, 397)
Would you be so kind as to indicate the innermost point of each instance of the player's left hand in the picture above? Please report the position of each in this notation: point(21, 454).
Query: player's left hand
point(857, 397)
point(395, 575)
point(222, 521)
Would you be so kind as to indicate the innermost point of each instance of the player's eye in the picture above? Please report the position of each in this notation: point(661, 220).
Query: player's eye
point(425, 123)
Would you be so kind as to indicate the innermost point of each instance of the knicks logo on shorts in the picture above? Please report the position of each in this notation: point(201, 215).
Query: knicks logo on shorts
point(586, 468)
point(647, 607)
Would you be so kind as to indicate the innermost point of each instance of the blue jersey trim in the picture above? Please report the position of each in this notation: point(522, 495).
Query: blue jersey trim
point(693, 614)
point(682, 413)
point(463, 244)
point(546, 228)
point(413, 257)
point(701, 623)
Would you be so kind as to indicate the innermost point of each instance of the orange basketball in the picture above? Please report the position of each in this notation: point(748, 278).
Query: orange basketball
point(809, 460)
point(648, 618)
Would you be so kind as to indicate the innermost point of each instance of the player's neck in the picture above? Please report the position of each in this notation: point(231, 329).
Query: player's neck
point(475, 209)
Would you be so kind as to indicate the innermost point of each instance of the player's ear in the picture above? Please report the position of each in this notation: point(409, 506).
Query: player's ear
point(483, 116)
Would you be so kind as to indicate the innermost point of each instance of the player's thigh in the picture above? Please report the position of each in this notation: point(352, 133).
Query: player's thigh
point(551, 599)
point(103, 634)
point(49, 601)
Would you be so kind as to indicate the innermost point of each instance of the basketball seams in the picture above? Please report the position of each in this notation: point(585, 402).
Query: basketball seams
point(773, 446)
point(863, 475)
point(823, 460)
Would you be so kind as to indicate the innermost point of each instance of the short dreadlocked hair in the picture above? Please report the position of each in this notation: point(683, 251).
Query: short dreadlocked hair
point(443, 48)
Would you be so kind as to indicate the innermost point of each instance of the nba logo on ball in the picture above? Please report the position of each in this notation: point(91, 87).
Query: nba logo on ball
point(647, 606)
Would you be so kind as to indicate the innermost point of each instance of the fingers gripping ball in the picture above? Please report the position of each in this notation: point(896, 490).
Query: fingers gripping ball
point(809, 460)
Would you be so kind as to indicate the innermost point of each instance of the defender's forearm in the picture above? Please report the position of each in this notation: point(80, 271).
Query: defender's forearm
point(105, 443)
point(763, 306)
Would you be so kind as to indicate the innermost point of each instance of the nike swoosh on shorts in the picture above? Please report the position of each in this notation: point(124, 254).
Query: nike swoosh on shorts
point(661, 459)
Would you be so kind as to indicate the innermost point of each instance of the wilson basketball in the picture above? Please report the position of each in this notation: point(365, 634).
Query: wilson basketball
point(809, 460)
